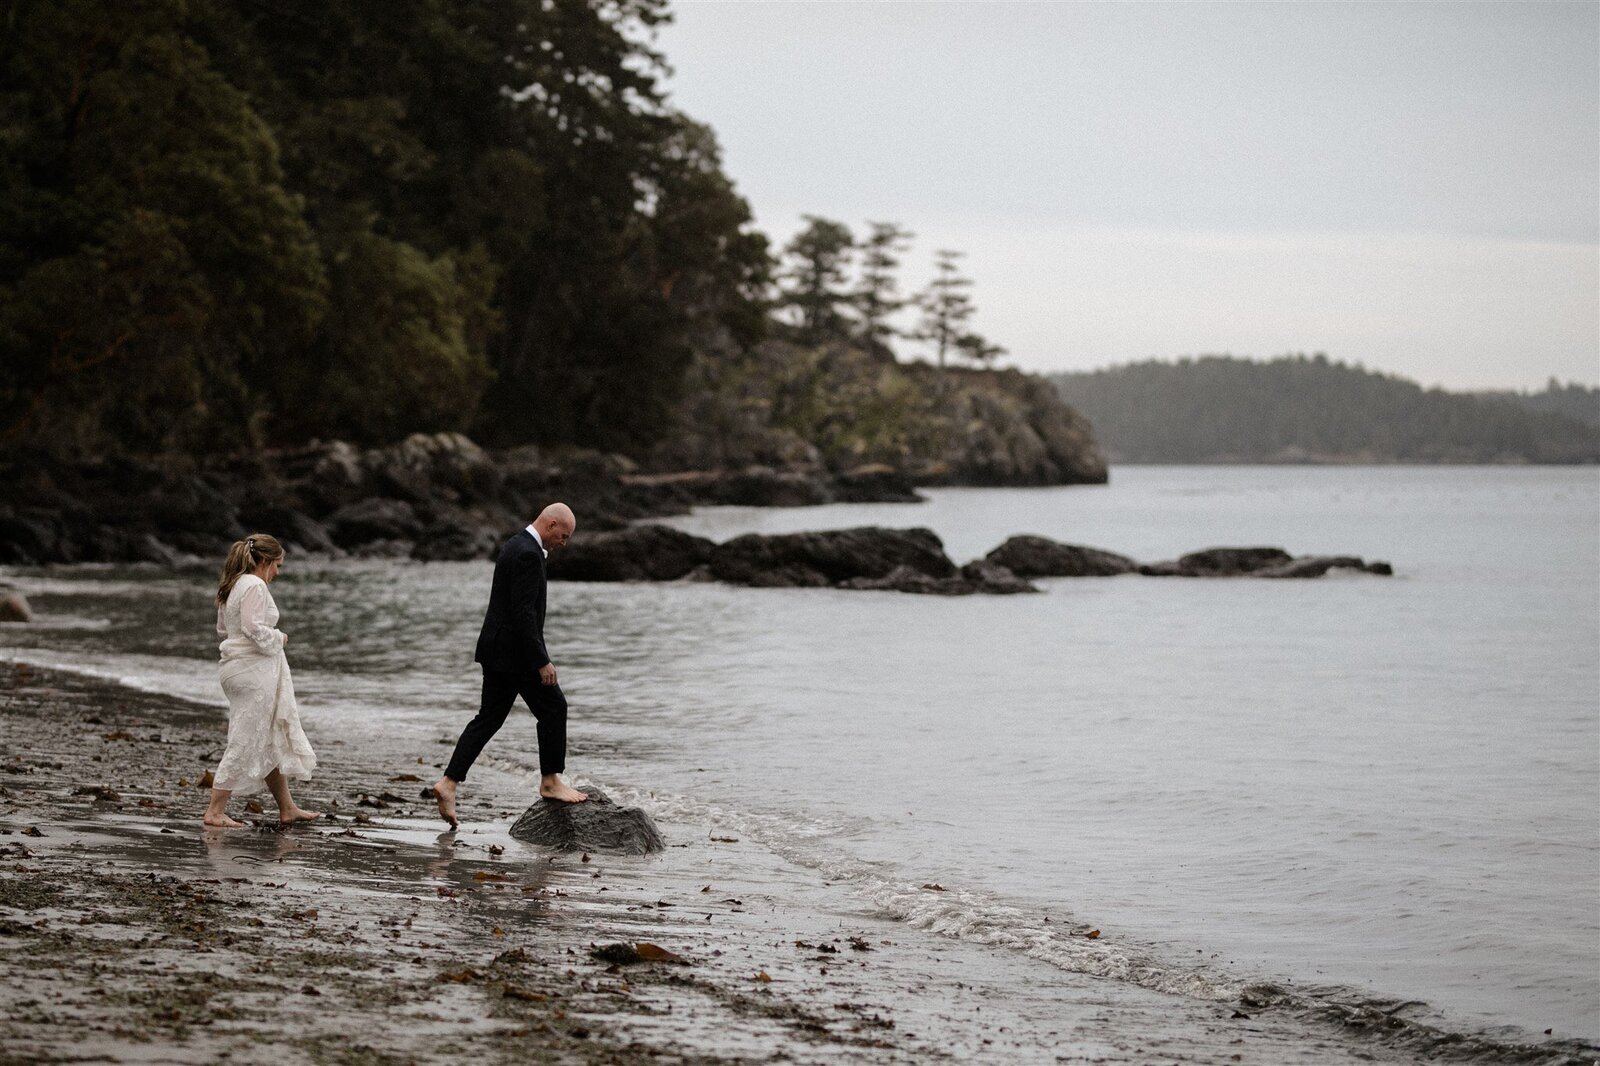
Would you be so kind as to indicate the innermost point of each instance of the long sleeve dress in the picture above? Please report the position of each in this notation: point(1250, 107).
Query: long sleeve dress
point(264, 731)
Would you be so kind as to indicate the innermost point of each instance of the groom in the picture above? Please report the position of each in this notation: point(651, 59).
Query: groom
point(511, 649)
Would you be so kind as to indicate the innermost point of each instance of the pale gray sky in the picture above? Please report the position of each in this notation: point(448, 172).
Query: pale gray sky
point(1414, 186)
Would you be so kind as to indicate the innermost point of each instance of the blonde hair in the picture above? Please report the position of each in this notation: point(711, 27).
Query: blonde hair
point(243, 557)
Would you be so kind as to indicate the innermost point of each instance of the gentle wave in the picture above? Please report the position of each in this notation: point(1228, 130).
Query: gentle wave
point(958, 912)
point(979, 917)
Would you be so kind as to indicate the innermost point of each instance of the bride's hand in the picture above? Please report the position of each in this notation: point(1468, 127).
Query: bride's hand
point(286, 638)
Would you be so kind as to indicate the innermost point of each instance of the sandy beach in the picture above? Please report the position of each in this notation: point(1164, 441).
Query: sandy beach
point(373, 937)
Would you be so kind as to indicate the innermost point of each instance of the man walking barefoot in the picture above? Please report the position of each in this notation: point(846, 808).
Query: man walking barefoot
point(515, 662)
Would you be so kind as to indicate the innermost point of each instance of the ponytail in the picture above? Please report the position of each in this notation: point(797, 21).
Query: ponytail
point(243, 557)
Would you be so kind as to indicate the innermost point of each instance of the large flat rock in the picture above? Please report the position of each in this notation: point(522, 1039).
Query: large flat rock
point(598, 825)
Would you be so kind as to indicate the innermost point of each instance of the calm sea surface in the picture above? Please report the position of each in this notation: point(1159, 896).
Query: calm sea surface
point(1356, 789)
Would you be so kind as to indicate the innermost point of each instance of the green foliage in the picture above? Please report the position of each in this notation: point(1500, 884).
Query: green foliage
point(152, 264)
point(817, 272)
point(876, 294)
point(1581, 402)
point(1299, 409)
point(224, 222)
point(842, 406)
point(946, 307)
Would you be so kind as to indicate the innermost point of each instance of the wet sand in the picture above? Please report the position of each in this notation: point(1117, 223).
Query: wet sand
point(134, 934)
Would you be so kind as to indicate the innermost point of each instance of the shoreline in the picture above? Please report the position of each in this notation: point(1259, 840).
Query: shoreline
point(376, 937)
point(370, 937)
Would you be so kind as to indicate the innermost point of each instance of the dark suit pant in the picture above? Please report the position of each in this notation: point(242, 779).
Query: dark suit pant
point(500, 690)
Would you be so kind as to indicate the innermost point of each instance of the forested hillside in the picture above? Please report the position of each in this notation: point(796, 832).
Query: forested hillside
point(230, 223)
point(1573, 400)
point(1218, 409)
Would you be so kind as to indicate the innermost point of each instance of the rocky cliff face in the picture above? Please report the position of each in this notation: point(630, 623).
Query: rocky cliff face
point(783, 426)
point(836, 408)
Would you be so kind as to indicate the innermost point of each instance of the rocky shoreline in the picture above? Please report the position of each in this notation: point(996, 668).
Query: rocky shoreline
point(898, 560)
point(369, 937)
point(372, 938)
point(431, 496)
point(440, 496)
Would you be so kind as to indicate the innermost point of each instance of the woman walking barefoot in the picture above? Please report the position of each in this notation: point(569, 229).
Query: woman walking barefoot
point(266, 745)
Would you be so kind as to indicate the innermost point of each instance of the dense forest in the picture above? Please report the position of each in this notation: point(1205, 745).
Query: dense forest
point(226, 223)
point(1573, 400)
point(1311, 409)
point(229, 225)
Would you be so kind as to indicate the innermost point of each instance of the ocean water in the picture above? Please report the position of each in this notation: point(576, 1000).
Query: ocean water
point(1341, 792)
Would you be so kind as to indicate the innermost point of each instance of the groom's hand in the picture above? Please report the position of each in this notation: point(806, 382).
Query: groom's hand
point(547, 674)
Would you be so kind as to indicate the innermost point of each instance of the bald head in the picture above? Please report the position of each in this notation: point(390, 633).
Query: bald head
point(555, 524)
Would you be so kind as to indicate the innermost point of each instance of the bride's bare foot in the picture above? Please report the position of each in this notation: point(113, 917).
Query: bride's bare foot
point(296, 814)
point(444, 790)
point(221, 821)
point(551, 787)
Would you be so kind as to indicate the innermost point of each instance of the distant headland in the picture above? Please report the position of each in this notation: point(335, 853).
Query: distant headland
point(1310, 409)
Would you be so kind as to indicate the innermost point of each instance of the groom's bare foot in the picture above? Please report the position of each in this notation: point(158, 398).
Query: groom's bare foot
point(551, 787)
point(290, 817)
point(444, 790)
point(221, 821)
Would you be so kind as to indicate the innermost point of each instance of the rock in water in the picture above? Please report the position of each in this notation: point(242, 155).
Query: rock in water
point(14, 607)
point(598, 825)
point(1030, 556)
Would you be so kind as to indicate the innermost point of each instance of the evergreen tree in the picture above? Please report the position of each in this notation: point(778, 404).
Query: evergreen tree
point(817, 269)
point(979, 351)
point(945, 304)
point(230, 221)
point(155, 272)
point(876, 295)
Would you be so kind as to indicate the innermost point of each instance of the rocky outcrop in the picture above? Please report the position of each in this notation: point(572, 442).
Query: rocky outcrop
point(597, 824)
point(1259, 562)
point(1317, 565)
point(975, 577)
point(875, 483)
point(431, 496)
point(1014, 429)
point(831, 557)
point(1031, 556)
point(840, 406)
point(1219, 562)
point(638, 553)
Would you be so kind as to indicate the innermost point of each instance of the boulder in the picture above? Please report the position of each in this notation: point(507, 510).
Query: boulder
point(1026, 555)
point(1310, 566)
point(906, 579)
point(337, 474)
point(875, 483)
point(1317, 565)
point(762, 486)
point(597, 825)
point(978, 576)
point(430, 466)
point(1259, 562)
point(637, 553)
point(373, 519)
point(992, 578)
point(14, 607)
point(296, 528)
point(830, 557)
point(1219, 562)
point(463, 535)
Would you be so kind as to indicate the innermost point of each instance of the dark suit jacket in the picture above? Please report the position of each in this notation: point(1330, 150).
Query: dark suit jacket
point(512, 638)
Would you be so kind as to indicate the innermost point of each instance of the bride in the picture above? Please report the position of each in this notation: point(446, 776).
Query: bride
point(265, 742)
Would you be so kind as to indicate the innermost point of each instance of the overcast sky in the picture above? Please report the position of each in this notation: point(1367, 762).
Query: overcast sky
point(1412, 186)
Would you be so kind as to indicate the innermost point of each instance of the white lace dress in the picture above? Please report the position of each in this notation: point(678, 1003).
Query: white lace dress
point(264, 731)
